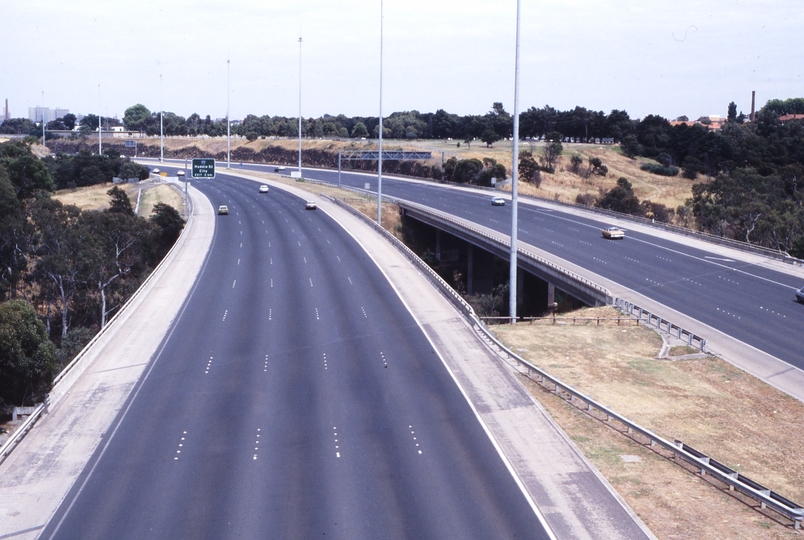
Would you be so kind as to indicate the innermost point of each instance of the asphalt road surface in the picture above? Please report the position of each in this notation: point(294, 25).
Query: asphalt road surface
point(294, 397)
point(751, 303)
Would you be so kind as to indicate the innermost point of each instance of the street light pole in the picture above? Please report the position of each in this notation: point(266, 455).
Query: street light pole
point(379, 159)
point(43, 118)
point(228, 124)
point(100, 123)
point(161, 124)
point(300, 116)
point(512, 284)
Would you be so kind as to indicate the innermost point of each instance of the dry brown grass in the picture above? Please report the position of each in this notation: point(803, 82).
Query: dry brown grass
point(96, 198)
point(564, 185)
point(160, 194)
point(705, 402)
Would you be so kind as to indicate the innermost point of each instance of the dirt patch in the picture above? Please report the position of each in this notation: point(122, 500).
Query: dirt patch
point(704, 402)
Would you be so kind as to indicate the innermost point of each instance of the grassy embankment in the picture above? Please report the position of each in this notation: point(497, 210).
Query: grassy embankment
point(564, 185)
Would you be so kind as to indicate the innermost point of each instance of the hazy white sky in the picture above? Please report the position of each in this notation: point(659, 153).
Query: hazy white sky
point(673, 57)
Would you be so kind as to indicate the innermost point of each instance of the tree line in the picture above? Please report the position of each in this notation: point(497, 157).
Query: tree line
point(63, 271)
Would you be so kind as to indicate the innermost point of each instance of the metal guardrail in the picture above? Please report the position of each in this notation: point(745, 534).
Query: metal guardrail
point(502, 241)
point(20, 432)
point(431, 274)
point(661, 324)
point(705, 464)
point(42, 408)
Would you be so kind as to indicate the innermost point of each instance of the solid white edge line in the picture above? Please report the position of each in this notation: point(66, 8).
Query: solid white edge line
point(140, 384)
point(497, 447)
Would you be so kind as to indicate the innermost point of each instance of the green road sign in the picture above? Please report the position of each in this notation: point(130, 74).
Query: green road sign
point(203, 168)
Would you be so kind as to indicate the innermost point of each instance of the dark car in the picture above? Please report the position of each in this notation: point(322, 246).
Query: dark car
point(800, 295)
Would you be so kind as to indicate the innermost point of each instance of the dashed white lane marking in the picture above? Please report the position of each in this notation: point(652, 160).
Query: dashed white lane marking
point(319, 229)
point(241, 244)
point(271, 260)
point(328, 242)
point(692, 281)
point(225, 313)
point(286, 220)
point(270, 312)
point(311, 282)
point(337, 445)
point(298, 243)
point(413, 434)
point(263, 222)
point(772, 312)
point(292, 230)
point(325, 360)
point(241, 233)
point(350, 280)
point(234, 283)
point(269, 243)
point(384, 361)
point(265, 366)
point(729, 280)
point(599, 260)
point(239, 223)
point(653, 281)
point(316, 315)
point(364, 311)
point(305, 260)
point(181, 445)
point(256, 444)
point(209, 365)
point(728, 313)
point(339, 259)
point(272, 283)
point(238, 262)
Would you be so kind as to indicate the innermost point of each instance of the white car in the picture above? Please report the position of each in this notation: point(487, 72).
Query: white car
point(613, 233)
point(310, 205)
point(497, 201)
point(155, 171)
point(180, 173)
point(263, 189)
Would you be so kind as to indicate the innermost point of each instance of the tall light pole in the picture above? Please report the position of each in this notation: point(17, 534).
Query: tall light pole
point(228, 124)
point(100, 123)
point(379, 159)
point(300, 117)
point(43, 118)
point(514, 173)
point(161, 124)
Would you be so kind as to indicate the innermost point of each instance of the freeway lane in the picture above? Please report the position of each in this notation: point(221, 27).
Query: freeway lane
point(294, 397)
point(752, 303)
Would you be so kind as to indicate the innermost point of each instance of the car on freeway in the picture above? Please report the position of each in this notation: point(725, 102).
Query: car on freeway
point(613, 233)
point(800, 295)
point(263, 189)
point(223, 209)
point(497, 201)
point(310, 205)
point(279, 169)
point(155, 171)
point(180, 173)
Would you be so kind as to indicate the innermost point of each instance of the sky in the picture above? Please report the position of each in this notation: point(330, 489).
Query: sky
point(671, 58)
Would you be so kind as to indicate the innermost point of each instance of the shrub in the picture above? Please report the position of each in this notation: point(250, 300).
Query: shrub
point(659, 169)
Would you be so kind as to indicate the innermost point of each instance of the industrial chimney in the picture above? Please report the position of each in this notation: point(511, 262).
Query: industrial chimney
point(753, 96)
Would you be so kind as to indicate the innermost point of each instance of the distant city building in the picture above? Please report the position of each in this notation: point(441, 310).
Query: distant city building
point(36, 114)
